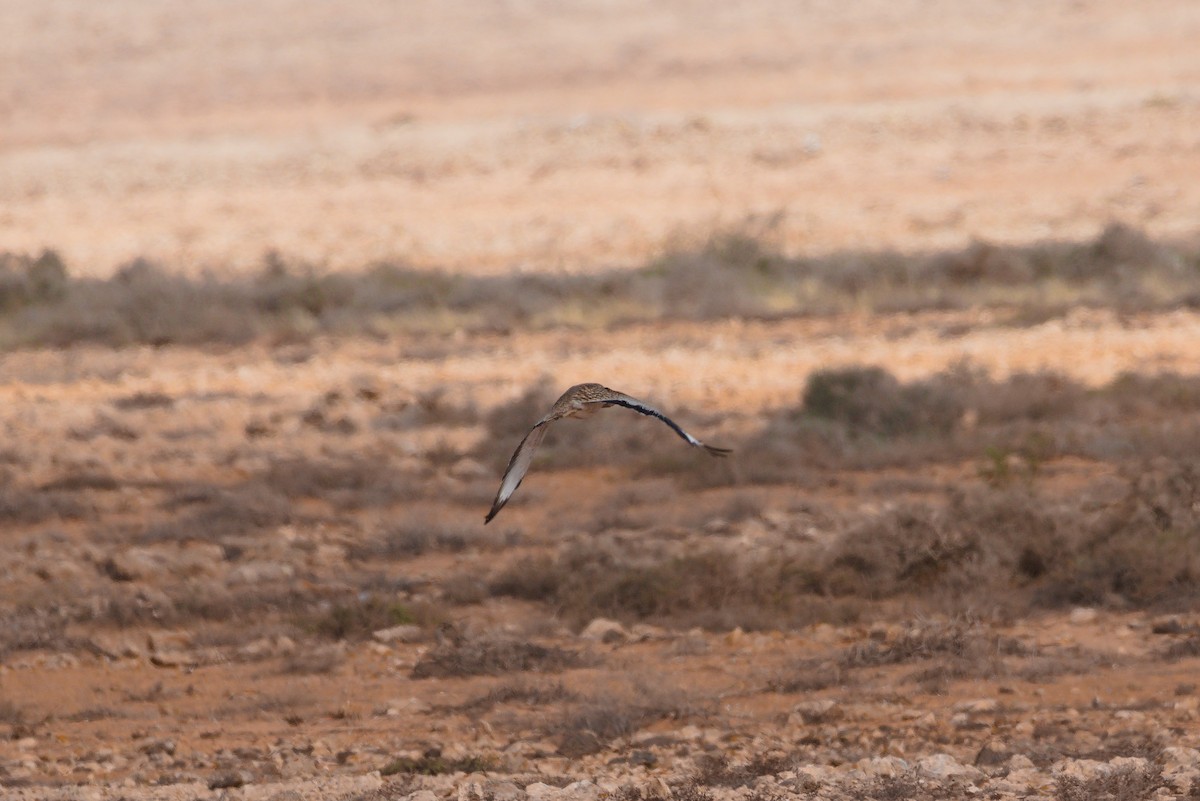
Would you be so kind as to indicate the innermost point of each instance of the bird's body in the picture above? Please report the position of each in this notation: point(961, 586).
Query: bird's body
point(580, 401)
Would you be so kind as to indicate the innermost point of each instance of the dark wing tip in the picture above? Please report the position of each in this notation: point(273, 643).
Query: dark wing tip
point(715, 451)
point(491, 514)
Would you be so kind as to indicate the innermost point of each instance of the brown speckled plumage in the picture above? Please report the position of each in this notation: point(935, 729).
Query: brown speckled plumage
point(581, 400)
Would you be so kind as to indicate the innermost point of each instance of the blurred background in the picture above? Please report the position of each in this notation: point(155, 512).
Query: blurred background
point(284, 283)
point(544, 135)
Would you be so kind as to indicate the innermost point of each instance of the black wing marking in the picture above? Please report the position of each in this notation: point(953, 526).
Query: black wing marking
point(646, 409)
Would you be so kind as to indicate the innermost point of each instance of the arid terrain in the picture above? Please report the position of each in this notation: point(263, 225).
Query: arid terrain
point(282, 285)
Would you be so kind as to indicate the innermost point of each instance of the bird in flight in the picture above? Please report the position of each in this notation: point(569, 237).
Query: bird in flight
point(580, 401)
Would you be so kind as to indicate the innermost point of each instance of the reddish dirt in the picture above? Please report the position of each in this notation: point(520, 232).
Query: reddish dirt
point(483, 138)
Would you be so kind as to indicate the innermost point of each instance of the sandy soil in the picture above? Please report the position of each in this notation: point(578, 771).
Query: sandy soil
point(563, 135)
point(532, 134)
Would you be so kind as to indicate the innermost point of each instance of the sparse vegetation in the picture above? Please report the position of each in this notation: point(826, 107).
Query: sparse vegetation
point(357, 619)
point(434, 764)
point(1120, 784)
point(1002, 496)
point(732, 275)
point(591, 724)
point(495, 657)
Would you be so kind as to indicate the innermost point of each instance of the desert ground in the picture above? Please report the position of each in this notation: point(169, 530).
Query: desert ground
point(283, 284)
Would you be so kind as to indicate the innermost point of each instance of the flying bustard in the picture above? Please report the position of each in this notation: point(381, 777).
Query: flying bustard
point(580, 401)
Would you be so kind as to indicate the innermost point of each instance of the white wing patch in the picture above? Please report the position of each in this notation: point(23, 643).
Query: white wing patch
point(518, 465)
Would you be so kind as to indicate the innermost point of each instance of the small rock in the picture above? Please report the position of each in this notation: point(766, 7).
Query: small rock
point(1082, 769)
point(134, 564)
point(421, 795)
point(1082, 614)
point(174, 659)
point(406, 632)
point(503, 791)
point(1025, 780)
point(580, 791)
point(1020, 762)
point(160, 641)
point(1128, 763)
point(944, 766)
point(993, 754)
point(816, 711)
point(260, 572)
point(643, 632)
point(115, 646)
point(886, 766)
point(639, 757)
point(604, 630)
point(540, 790)
point(471, 791)
point(158, 746)
point(979, 706)
point(1177, 759)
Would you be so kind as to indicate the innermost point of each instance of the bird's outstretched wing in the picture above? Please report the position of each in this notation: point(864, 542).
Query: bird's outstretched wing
point(517, 466)
point(620, 399)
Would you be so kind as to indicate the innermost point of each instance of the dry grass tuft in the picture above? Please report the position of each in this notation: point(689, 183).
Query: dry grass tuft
point(593, 724)
point(495, 657)
point(718, 771)
point(434, 764)
point(733, 274)
point(521, 691)
point(1125, 783)
point(358, 618)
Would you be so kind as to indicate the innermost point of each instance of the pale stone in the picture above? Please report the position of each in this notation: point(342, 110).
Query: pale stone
point(1082, 769)
point(886, 766)
point(1082, 614)
point(406, 632)
point(815, 711)
point(944, 766)
point(604, 630)
point(1176, 759)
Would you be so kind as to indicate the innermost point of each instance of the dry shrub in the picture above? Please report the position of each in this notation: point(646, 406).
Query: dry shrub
point(1025, 397)
point(521, 691)
point(994, 550)
point(710, 588)
point(1125, 783)
point(28, 629)
point(143, 400)
point(811, 675)
point(433, 763)
point(214, 514)
point(983, 545)
point(870, 401)
point(12, 714)
point(734, 273)
point(908, 786)
point(959, 639)
point(591, 725)
point(23, 507)
point(419, 535)
point(306, 661)
point(345, 483)
point(863, 418)
point(716, 770)
point(267, 604)
point(360, 617)
point(494, 657)
point(1141, 394)
point(1007, 549)
point(81, 480)
point(1143, 549)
